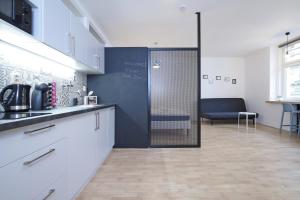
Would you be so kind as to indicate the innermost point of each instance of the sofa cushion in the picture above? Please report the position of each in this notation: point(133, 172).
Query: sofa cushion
point(211, 105)
point(225, 115)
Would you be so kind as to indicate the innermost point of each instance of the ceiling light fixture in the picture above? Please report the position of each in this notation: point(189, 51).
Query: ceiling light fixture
point(156, 65)
point(287, 42)
point(183, 8)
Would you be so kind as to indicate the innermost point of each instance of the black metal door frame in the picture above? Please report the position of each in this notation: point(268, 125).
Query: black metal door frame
point(198, 100)
point(198, 49)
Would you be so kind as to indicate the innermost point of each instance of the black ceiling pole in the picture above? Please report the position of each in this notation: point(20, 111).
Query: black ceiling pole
point(199, 75)
point(287, 42)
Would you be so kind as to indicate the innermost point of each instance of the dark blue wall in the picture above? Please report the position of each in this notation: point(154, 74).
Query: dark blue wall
point(125, 83)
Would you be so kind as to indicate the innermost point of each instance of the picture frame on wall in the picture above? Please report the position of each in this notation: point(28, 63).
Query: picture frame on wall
point(205, 76)
point(218, 78)
point(234, 81)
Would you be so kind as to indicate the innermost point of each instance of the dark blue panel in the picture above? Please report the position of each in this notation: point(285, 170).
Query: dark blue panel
point(125, 83)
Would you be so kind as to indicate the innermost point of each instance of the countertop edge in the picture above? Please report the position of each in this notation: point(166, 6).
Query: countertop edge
point(282, 101)
point(36, 120)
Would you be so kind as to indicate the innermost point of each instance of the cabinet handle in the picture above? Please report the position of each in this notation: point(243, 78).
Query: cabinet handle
point(37, 158)
point(49, 194)
point(39, 129)
point(74, 45)
point(97, 61)
point(98, 120)
point(96, 115)
point(69, 50)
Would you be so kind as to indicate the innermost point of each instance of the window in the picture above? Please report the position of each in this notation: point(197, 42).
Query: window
point(292, 82)
point(293, 55)
point(291, 71)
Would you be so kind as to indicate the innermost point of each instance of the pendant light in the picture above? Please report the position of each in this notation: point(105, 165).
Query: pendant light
point(156, 64)
point(287, 42)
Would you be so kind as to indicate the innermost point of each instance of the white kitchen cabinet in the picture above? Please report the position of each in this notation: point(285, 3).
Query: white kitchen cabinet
point(101, 51)
point(55, 191)
point(105, 134)
point(37, 13)
point(83, 46)
point(101, 150)
point(66, 154)
point(96, 54)
point(79, 40)
point(94, 57)
point(56, 25)
point(82, 146)
point(29, 176)
point(17, 143)
point(111, 127)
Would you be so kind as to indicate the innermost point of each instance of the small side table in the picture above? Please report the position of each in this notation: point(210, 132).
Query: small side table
point(247, 114)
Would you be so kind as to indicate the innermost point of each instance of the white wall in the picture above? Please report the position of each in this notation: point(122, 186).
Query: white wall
point(257, 87)
point(225, 67)
point(253, 82)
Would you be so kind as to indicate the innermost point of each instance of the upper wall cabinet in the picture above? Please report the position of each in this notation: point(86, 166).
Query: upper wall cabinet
point(102, 57)
point(56, 27)
point(79, 39)
point(95, 53)
point(65, 32)
point(56, 22)
point(85, 47)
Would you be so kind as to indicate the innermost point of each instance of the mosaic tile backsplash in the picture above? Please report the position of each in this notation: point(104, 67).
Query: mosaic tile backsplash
point(66, 89)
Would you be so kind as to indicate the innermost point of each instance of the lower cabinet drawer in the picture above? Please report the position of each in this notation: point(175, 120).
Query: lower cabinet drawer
point(28, 177)
point(55, 191)
point(18, 143)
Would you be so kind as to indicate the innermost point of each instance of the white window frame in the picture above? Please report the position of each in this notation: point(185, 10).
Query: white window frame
point(285, 66)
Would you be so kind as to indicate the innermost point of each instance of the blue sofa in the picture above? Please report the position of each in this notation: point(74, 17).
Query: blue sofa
point(223, 109)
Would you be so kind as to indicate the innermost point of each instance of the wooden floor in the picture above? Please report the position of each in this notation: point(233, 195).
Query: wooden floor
point(231, 165)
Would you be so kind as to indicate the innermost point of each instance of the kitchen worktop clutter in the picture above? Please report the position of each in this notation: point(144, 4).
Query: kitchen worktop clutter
point(23, 97)
point(15, 97)
point(42, 96)
point(61, 96)
point(19, 97)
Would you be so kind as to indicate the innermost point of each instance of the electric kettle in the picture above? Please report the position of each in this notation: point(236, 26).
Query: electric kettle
point(15, 97)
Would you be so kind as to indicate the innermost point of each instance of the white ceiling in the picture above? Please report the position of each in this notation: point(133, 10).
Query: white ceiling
point(229, 27)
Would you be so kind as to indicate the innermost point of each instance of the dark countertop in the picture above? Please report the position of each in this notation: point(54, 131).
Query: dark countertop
point(57, 113)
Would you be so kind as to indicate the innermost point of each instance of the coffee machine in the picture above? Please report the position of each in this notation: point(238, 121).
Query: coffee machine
point(15, 98)
point(41, 98)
